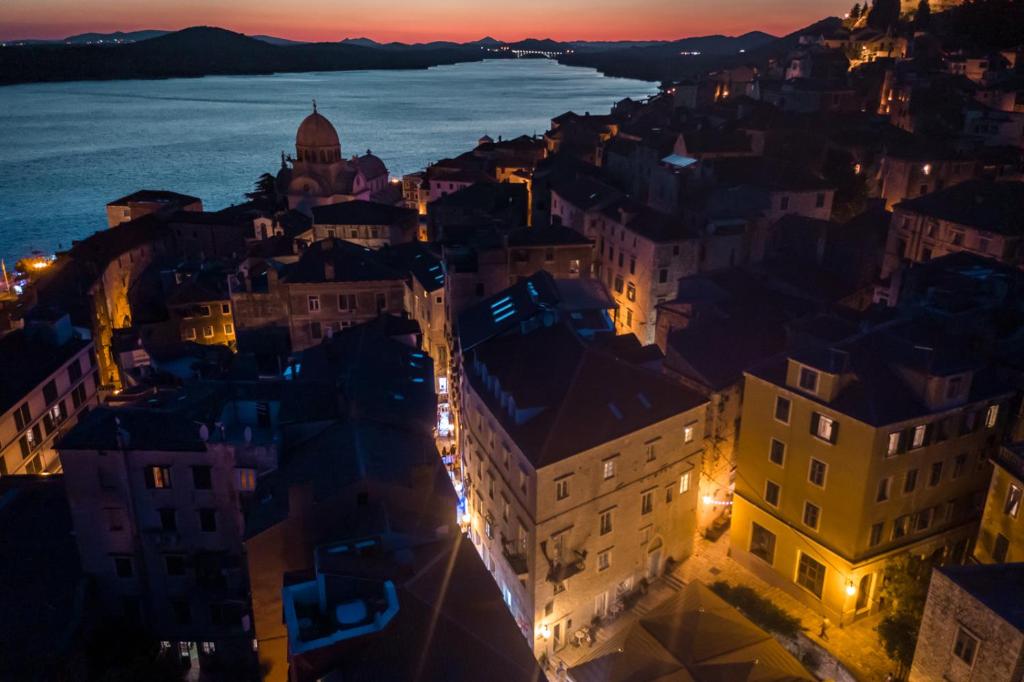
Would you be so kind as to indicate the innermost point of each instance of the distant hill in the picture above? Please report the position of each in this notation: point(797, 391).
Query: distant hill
point(116, 37)
point(690, 56)
point(201, 51)
point(274, 40)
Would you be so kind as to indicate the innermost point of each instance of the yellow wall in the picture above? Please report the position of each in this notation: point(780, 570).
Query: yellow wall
point(996, 521)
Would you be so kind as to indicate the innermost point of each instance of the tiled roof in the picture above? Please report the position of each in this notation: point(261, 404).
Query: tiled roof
point(569, 395)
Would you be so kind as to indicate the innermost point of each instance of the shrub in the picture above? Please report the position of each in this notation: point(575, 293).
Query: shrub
point(758, 609)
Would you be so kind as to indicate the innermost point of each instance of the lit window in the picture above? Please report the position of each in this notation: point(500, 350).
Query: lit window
point(894, 443)
point(684, 483)
point(609, 468)
point(158, 477)
point(631, 291)
point(919, 432)
point(313, 304)
point(965, 647)
point(209, 647)
point(991, 416)
point(1013, 497)
point(246, 479)
point(824, 427)
point(688, 433)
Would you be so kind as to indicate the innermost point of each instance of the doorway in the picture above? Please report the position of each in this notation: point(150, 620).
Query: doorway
point(864, 593)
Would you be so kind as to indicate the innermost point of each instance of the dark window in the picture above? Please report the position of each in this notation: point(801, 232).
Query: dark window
point(208, 520)
point(876, 533)
point(910, 482)
point(808, 379)
point(777, 452)
point(782, 409)
point(75, 370)
point(762, 544)
point(810, 575)
point(819, 201)
point(22, 416)
point(936, 474)
point(662, 276)
point(771, 493)
point(812, 515)
point(175, 564)
point(316, 330)
point(202, 478)
point(647, 502)
point(50, 392)
point(168, 520)
point(123, 567)
point(182, 612)
point(1000, 549)
point(382, 302)
point(965, 646)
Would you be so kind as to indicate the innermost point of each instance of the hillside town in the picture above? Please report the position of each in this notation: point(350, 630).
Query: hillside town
point(724, 384)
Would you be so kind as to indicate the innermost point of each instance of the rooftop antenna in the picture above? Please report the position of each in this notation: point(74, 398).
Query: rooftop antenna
point(314, 105)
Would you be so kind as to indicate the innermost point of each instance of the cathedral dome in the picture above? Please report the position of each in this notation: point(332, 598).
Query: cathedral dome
point(317, 140)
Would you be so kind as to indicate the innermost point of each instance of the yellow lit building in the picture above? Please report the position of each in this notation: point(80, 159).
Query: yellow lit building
point(854, 451)
point(1001, 538)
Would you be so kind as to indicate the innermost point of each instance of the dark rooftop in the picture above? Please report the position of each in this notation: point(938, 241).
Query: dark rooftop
point(997, 586)
point(351, 263)
point(361, 212)
point(983, 204)
point(156, 196)
point(28, 361)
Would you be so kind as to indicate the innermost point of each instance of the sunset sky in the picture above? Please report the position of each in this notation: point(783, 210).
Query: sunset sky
point(411, 21)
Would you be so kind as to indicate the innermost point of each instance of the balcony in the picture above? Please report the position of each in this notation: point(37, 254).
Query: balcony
point(559, 571)
point(515, 555)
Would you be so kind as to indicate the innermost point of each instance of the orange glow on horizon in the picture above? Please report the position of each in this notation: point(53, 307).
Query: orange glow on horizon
point(456, 20)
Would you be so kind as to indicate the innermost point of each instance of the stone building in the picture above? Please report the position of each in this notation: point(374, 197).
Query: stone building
point(334, 284)
point(147, 201)
point(157, 494)
point(366, 223)
point(1001, 536)
point(48, 381)
point(973, 625)
point(570, 455)
point(980, 216)
point(859, 445)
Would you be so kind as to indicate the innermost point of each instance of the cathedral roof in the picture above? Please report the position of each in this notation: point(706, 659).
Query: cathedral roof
point(316, 131)
point(371, 166)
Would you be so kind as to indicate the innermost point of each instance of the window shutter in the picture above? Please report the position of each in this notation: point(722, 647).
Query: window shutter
point(148, 472)
point(835, 432)
point(815, 418)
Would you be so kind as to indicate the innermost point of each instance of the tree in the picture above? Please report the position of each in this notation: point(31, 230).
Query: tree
point(923, 16)
point(905, 587)
point(884, 14)
point(265, 188)
point(855, 12)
